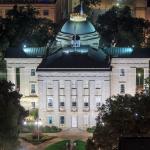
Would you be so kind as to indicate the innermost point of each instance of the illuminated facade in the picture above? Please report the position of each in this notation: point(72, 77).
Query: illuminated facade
point(75, 76)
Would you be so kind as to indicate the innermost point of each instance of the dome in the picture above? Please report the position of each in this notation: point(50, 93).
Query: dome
point(83, 27)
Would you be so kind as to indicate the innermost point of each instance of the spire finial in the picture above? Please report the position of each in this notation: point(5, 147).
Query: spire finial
point(81, 9)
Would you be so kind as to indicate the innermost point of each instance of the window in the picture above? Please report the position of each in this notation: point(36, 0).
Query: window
point(45, 12)
point(122, 72)
point(33, 104)
point(50, 121)
point(86, 91)
point(122, 88)
point(86, 104)
point(17, 78)
point(98, 101)
point(62, 104)
point(50, 102)
point(50, 91)
point(32, 88)
point(86, 101)
point(74, 104)
point(62, 120)
point(98, 91)
point(61, 91)
point(86, 84)
point(32, 72)
point(74, 91)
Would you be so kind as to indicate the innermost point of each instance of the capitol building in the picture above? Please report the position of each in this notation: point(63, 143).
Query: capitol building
point(69, 79)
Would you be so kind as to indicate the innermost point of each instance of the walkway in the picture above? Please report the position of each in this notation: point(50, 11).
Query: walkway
point(70, 134)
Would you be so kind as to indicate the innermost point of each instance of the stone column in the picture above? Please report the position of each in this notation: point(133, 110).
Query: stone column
point(80, 103)
point(42, 101)
point(131, 76)
point(11, 74)
point(92, 102)
point(68, 103)
point(146, 73)
point(55, 103)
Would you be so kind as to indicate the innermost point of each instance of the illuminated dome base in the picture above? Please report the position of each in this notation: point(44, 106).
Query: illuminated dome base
point(78, 17)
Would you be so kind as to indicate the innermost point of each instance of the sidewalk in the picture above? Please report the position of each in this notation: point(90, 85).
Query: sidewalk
point(70, 134)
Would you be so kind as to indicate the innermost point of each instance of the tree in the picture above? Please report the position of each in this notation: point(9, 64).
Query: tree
point(118, 27)
point(122, 116)
point(22, 26)
point(11, 115)
point(88, 2)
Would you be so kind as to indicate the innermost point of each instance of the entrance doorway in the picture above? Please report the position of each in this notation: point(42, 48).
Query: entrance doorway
point(74, 122)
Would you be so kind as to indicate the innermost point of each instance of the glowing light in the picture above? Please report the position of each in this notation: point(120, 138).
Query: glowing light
point(117, 4)
point(77, 17)
point(139, 75)
point(24, 123)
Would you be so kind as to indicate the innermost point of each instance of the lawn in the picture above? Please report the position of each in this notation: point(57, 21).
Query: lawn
point(80, 145)
point(58, 146)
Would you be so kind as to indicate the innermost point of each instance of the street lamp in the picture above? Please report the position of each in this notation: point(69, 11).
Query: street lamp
point(117, 4)
point(24, 122)
point(38, 123)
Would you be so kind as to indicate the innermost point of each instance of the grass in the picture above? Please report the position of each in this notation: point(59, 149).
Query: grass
point(80, 145)
point(58, 146)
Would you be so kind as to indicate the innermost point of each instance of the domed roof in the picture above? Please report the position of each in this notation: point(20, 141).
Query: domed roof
point(83, 27)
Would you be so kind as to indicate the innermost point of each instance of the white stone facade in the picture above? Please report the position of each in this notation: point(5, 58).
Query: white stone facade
point(29, 99)
point(81, 92)
point(70, 98)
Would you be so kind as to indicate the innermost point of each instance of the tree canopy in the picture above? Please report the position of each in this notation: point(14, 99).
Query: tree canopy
point(11, 115)
point(118, 27)
point(122, 116)
point(88, 2)
point(22, 26)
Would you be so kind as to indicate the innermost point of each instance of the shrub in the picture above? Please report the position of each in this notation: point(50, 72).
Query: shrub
point(52, 129)
point(91, 130)
point(32, 138)
point(28, 129)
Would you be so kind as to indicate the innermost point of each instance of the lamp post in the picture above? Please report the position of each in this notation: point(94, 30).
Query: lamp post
point(38, 123)
point(139, 77)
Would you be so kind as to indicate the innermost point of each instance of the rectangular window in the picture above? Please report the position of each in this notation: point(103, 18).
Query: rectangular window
point(122, 88)
point(50, 121)
point(62, 104)
point(86, 91)
point(62, 120)
point(122, 72)
point(50, 102)
point(98, 91)
point(86, 104)
point(61, 91)
point(45, 12)
point(18, 78)
point(74, 104)
point(33, 104)
point(86, 101)
point(74, 91)
point(98, 101)
point(86, 84)
point(32, 88)
point(32, 72)
point(50, 91)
